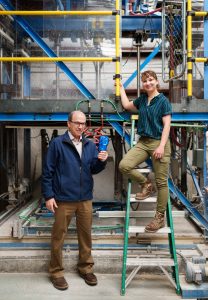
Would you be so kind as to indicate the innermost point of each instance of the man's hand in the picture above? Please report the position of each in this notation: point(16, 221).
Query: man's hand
point(51, 204)
point(102, 155)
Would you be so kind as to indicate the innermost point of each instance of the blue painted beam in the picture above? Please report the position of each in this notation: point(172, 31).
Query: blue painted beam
point(143, 65)
point(205, 175)
point(188, 205)
point(59, 117)
point(27, 80)
point(47, 50)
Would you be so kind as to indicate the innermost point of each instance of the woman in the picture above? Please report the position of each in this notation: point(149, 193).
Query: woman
point(154, 112)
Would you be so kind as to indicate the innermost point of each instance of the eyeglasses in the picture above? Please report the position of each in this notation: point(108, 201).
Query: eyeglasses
point(78, 123)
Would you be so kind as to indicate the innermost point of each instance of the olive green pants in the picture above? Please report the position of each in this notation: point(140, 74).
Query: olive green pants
point(63, 215)
point(138, 154)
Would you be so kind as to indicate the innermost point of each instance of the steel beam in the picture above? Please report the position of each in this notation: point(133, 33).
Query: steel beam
point(206, 51)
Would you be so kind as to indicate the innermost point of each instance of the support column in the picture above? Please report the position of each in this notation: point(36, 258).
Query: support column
point(205, 175)
point(189, 51)
point(206, 51)
point(118, 180)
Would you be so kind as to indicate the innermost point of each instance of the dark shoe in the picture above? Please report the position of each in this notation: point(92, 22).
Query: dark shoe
point(89, 278)
point(157, 223)
point(59, 283)
point(147, 190)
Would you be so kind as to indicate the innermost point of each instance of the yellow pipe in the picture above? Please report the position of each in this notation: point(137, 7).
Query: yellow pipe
point(54, 59)
point(200, 13)
point(189, 49)
point(54, 13)
point(117, 80)
point(201, 59)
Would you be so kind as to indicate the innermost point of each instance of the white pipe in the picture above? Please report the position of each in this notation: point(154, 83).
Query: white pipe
point(4, 34)
point(24, 53)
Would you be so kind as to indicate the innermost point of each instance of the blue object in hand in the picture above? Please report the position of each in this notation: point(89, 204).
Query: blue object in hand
point(103, 143)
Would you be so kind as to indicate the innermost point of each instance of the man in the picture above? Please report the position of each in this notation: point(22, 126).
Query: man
point(67, 186)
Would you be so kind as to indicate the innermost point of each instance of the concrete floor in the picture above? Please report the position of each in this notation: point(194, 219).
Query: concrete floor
point(28, 286)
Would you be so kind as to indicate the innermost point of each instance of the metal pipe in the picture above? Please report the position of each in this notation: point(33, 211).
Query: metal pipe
point(22, 81)
point(189, 50)
point(163, 41)
point(12, 71)
point(188, 125)
point(117, 79)
point(138, 70)
point(184, 33)
point(56, 13)
point(54, 59)
point(57, 74)
point(200, 14)
point(1, 66)
point(200, 59)
point(82, 53)
point(98, 79)
point(24, 53)
point(6, 36)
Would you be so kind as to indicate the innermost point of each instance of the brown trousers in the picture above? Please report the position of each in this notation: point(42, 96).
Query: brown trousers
point(63, 216)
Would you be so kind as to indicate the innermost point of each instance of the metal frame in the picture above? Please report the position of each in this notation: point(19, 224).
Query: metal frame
point(190, 58)
point(9, 10)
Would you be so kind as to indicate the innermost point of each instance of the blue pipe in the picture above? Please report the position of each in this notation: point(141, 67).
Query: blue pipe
point(59, 4)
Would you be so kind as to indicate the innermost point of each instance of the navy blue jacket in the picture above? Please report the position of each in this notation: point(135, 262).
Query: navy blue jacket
point(66, 176)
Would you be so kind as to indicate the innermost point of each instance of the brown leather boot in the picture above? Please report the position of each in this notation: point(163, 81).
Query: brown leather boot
point(147, 190)
point(157, 223)
point(59, 283)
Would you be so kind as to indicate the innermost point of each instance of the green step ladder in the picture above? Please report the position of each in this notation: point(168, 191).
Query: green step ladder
point(136, 262)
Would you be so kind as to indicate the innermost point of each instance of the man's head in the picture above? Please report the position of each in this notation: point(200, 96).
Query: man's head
point(76, 123)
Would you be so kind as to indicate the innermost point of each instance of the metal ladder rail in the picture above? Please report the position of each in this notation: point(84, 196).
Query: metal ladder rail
point(172, 246)
point(127, 216)
point(171, 238)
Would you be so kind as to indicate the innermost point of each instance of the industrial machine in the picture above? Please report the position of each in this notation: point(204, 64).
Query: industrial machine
point(62, 55)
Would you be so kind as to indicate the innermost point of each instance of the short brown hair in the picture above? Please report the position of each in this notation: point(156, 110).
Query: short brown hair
point(149, 73)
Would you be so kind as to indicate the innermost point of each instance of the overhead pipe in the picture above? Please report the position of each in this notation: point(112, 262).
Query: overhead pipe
point(56, 13)
point(54, 59)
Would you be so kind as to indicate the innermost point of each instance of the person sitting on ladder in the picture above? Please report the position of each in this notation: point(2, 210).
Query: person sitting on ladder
point(154, 111)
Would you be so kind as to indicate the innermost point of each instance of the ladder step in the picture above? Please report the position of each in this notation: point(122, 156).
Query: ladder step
point(140, 229)
point(134, 214)
point(147, 200)
point(146, 170)
point(149, 261)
